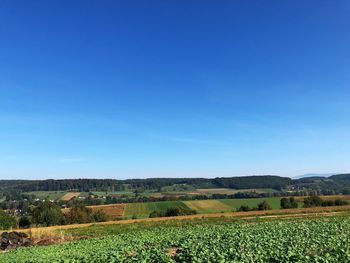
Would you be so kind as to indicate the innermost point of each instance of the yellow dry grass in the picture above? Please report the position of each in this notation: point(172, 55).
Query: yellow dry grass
point(46, 236)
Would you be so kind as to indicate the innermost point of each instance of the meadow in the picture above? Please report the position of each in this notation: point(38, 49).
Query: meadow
point(51, 195)
point(142, 210)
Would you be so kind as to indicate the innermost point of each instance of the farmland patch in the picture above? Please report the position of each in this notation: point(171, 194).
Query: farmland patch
point(70, 195)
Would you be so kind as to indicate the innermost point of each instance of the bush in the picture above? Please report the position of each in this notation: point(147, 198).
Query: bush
point(317, 201)
point(100, 216)
point(312, 201)
point(79, 214)
point(339, 202)
point(6, 221)
point(244, 208)
point(48, 214)
point(287, 203)
point(172, 212)
point(154, 214)
point(24, 222)
point(264, 206)
point(328, 203)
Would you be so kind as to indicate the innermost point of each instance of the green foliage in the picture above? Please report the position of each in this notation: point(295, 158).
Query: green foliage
point(100, 216)
point(48, 214)
point(143, 210)
point(288, 203)
point(79, 214)
point(244, 208)
point(264, 206)
point(6, 221)
point(24, 222)
point(312, 201)
point(274, 202)
point(316, 240)
point(339, 202)
point(261, 206)
point(177, 211)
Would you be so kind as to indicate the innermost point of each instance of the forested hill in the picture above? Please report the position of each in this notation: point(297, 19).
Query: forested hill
point(246, 182)
point(337, 183)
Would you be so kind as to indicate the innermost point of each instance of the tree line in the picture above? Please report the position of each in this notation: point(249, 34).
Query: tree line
point(49, 214)
point(86, 185)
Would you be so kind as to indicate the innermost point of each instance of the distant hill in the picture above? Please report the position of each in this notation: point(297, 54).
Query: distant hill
point(313, 175)
point(339, 183)
point(333, 184)
point(85, 185)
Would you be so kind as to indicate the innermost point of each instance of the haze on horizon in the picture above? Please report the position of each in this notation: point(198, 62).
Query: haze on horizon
point(120, 89)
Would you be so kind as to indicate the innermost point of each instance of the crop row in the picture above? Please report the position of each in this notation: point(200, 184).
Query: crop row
point(312, 240)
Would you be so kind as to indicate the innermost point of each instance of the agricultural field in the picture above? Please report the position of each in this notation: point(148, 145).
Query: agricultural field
point(142, 210)
point(233, 191)
point(208, 206)
point(327, 197)
point(174, 191)
point(139, 210)
point(210, 191)
point(221, 240)
point(50, 195)
point(115, 211)
point(274, 202)
point(70, 195)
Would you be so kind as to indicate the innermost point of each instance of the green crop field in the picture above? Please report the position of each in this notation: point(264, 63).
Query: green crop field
point(139, 210)
point(307, 240)
point(228, 205)
point(52, 195)
point(142, 210)
point(274, 202)
point(163, 206)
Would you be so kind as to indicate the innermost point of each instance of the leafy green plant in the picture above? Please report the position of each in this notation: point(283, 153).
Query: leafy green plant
point(307, 240)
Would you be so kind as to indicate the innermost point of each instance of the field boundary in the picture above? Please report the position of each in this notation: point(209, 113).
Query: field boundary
point(250, 214)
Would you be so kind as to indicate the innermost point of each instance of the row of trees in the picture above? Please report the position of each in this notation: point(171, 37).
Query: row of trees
point(313, 201)
point(49, 214)
point(261, 206)
point(86, 185)
point(291, 202)
point(178, 211)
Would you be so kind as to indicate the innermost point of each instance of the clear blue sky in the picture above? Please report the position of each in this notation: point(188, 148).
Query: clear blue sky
point(132, 89)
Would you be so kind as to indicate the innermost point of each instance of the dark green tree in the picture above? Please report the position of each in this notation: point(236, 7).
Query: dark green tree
point(48, 214)
point(24, 222)
point(78, 214)
point(287, 203)
point(312, 201)
point(6, 221)
point(264, 206)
